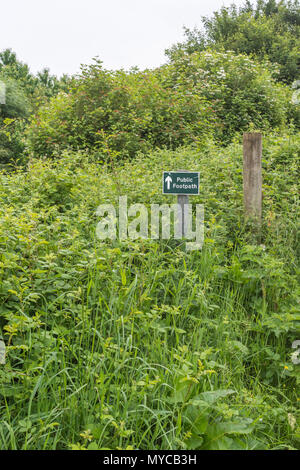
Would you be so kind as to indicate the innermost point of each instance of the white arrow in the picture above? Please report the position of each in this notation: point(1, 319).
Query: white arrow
point(168, 180)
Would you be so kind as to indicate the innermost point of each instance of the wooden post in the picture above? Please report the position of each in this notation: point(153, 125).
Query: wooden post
point(252, 175)
point(182, 200)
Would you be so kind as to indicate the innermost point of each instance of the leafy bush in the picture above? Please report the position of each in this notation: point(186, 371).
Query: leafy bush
point(240, 91)
point(24, 94)
point(184, 102)
point(126, 112)
point(12, 120)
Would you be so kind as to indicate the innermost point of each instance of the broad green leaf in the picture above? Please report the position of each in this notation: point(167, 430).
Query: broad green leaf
point(194, 442)
point(211, 397)
point(196, 419)
point(93, 446)
point(243, 426)
point(183, 391)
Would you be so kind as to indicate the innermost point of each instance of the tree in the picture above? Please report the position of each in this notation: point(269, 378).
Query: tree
point(268, 30)
point(25, 93)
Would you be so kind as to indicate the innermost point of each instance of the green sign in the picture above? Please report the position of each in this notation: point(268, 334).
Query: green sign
point(181, 182)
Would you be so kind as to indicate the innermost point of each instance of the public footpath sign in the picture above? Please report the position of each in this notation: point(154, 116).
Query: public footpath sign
point(180, 182)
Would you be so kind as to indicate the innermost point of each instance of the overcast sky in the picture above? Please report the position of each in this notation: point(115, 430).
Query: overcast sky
point(62, 34)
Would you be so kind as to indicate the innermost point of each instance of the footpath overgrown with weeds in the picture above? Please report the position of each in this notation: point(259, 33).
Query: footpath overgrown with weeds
point(139, 344)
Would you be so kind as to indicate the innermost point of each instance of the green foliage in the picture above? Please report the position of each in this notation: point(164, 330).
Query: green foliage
point(127, 112)
point(241, 92)
point(269, 30)
point(12, 143)
point(138, 344)
point(24, 94)
point(39, 87)
point(12, 119)
point(185, 102)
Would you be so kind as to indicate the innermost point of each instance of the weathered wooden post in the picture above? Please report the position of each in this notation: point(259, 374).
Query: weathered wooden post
point(182, 201)
point(252, 175)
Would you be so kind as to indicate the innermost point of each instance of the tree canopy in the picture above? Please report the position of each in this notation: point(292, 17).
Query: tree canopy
point(268, 29)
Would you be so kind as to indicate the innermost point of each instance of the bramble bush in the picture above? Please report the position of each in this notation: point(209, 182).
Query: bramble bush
point(126, 112)
point(196, 96)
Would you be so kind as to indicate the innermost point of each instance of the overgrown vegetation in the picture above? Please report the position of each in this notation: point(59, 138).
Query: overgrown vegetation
point(138, 344)
point(268, 30)
point(129, 112)
point(24, 93)
point(197, 96)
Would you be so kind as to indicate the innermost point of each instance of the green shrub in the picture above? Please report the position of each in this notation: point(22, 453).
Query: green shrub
point(241, 91)
point(12, 120)
point(196, 96)
point(127, 112)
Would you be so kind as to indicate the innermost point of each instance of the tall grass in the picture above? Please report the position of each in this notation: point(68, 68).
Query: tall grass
point(140, 344)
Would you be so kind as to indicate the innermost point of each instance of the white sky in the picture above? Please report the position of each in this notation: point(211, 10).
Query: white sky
point(62, 34)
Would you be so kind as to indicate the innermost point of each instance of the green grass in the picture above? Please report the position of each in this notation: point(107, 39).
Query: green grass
point(140, 344)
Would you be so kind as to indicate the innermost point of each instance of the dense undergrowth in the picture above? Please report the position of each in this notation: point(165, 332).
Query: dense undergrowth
point(139, 344)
